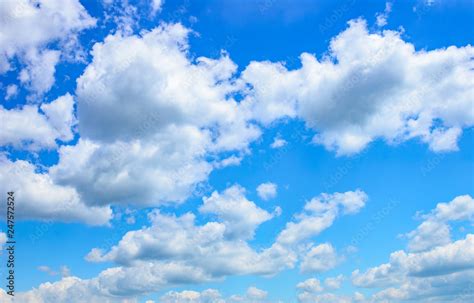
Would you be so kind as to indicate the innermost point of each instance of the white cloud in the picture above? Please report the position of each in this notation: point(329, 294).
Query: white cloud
point(320, 258)
point(28, 27)
point(381, 18)
point(311, 285)
point(38, 75)
point(68, 289)
point(267, 191)
point(28, 128)
point(442, 271)
point(320, 213)
point(253, 295)
point(370, 86)
point(156, 6)
point(215, 249)
point(334, 282)
point(175, 250)
point(164, 169)
point(240, 216)
point(306, 297)
point(278, 142)
point(150, 118)
point(436, 270)
point(189, 296)
point(38, 197)
point(312, 291)
point(11, 91)
point(434, 230)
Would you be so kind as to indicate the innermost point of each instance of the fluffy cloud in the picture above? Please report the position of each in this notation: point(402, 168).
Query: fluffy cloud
point(150, 118)
point(30, 129)
point(189, 296)
point(38, 197)
point(66, 290)
point(435, 229)
point(240, 216)
point(28, 27)
point(442, 260)
point(381, 18)
point(435, 270)
point(38, 75)
point(311, 285)
point(320, 213)
point(320, 258)
point(11, 92)
point(253, 295)
point(278, 142)
point(306, 297)
point(73, 289)
point(267, 191)
point(145, 173)
point(371, 85)
point(311, 290)
point(210, 251)
point(442, 274)
point(214, 250)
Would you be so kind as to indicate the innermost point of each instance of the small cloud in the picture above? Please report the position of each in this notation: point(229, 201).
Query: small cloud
point(381, 18)
point(229, 161)
point(267, 191)
point(12, 91)
point(278, 142)
point(65, 271)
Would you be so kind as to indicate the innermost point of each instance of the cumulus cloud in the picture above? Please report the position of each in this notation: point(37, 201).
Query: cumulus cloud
point(435, 229)
point(267, 191)
point(214, 250)
point(11, 91)
point(370, 86)
point(206, 296)
point(311, 285)
point(253, 295)
point(38, 75)
point(434, 270)
point(38, 197)
point(210, 251)
point(150, 118)
point(28, 29)
point(240, 216)
point(442, 260)
point(320, 213)
point(28, 128)
point(320, 258)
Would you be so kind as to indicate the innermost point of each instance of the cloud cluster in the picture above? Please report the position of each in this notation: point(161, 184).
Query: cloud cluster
point(28, 30)
point(253, 295)
point(39, 197)
point(435, 229)
point(150, 118)
point(320, 214)
point(28, 128)
point(369, 86)
point(435, 271)
point(210, 251)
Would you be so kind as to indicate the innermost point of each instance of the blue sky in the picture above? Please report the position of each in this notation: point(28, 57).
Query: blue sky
point(228, 151)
